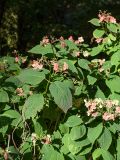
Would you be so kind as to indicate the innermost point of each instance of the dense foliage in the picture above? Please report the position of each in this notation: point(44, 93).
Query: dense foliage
point(62, 101)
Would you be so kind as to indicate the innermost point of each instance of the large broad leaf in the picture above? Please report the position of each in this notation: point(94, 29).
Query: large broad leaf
point(30, 76)
point(4, 96)
point(105, 139)
point(106, 155)
point(62, 95)
point(96, 153)
point(83, 63)
point(33, 104)
point(86, 150)
point(118, 149)
point(77, 132)
point(94, 133)
point(71, 145)
point(114, 84)
point(49, 153)
point(96, 50)
point(38, 128)
point(115, 58)
point(98, 33)
point(95, 22)
point(13, 114)
point(84, 142)
point(112, 27)
point(74, 121)
point(38, 49)
point(13, 80)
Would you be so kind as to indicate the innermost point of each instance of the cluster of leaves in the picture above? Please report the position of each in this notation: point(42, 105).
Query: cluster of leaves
point(43, 114)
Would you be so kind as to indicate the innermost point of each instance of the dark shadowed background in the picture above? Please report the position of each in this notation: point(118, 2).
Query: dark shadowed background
point(24, 22)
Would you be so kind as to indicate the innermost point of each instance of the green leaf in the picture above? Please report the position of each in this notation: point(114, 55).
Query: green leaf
point(106, 155)
point(105, 139)
point(96, 50)
point(62, 95)
point(4, 123)
point(64, 129)
point(112, 37)
point(74, 121)
point(96, 154)
point(77, 132)
point(17, 118)
point(69, 84)
point(84, 142)
point(83, 63)
point(112, 27)
point(91, 80)
point(13, 80)
point(78, 90)
point(49, 153)
point(38, 128)
point(107, 65)
point(78, 157)
point(99, 93)
point(64, 149)
point(118, 149)
point(71, 45)
point(11, 114)
point(98, 33)
point(74, 148)
point(13, 150)
point(115, 58)
point(113, 84)
point(86, 150)
point(43, 50)
point(30, 76)
point(4, 96)
point(33, 104)
point(95, 22)
point(94, 133)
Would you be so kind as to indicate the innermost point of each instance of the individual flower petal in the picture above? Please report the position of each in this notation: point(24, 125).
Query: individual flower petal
point(80, 39)
point(117, 110)
point(98, 40)
point(65, 66)
point(55, 67)
point(86, 53)
point(17, 59)
point(71, 38)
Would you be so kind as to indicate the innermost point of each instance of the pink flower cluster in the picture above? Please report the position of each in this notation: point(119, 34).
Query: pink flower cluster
point(20, 92)
point(37, 65)
point(99, 40)
point(106, 17)
point(20, 59)
point(58, 68)
point(78, 41)
point(107, 109)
